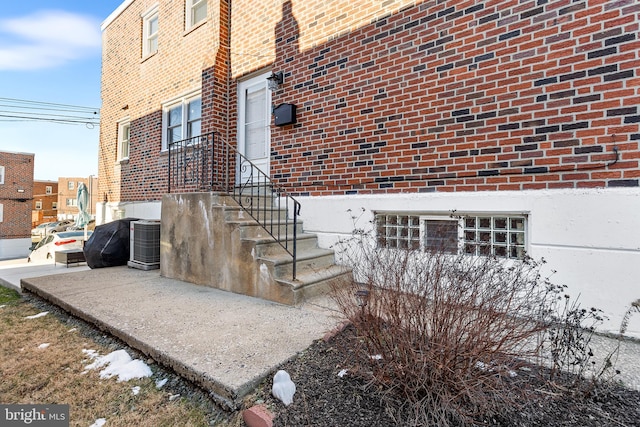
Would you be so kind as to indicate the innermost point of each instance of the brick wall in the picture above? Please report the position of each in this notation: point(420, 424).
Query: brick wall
point(46, 213)
point(135, 88)
point(394, 96)
point(16, 194)
point(465, 96)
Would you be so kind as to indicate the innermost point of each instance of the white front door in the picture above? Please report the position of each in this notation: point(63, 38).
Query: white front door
point(254, 120)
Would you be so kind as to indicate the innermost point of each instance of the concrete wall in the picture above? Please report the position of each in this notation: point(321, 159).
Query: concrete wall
point(14, 248)
point(590, 237)
point(106, 212)
point(198, 246)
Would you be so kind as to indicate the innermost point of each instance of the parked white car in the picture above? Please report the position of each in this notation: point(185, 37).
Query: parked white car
point(52, 243)
point(40, 230)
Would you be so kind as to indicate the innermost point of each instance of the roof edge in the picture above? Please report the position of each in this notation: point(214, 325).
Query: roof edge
point(115, 14)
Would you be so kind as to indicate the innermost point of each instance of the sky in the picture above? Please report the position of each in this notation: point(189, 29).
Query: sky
point(50, 52)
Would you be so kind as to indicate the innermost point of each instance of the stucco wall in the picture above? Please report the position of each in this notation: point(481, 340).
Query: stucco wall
point(590, 237)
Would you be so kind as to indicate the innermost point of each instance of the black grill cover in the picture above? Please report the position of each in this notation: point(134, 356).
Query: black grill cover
point(108, 246)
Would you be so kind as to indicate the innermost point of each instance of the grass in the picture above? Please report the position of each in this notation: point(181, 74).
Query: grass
point(56, 374)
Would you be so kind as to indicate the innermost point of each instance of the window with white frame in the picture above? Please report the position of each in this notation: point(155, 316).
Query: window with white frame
point(38, 205)
point(182, 119)
point(124, 132)
point(54, 205)
point(48, 189)
point(150, 32)
point(72, 202)
point(1, 212)
point(71, 185)
point(502, 236)
point(1, 174)
point(196, 11)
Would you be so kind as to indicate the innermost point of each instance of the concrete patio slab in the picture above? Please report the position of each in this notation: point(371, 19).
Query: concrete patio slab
point(226, 343)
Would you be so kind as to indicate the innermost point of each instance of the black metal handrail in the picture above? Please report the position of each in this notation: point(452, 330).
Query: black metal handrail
point(208, 163)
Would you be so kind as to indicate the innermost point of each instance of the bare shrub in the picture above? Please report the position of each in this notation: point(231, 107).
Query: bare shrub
point(446, 333)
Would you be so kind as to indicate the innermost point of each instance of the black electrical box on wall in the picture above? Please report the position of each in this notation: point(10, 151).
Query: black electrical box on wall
point(284, 114)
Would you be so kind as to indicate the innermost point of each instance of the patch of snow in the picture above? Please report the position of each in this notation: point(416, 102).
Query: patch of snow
point(283, 388)
point(72, 330)
point(99, 423)
point(376, 357)
point(173, 397)
point(481, 365)
point(161, 383)
point(3, 305)
point(44, 345)
point(35, 316)
point(342, 373)
point(512, 374)
point(135, 390)
point(120, 364)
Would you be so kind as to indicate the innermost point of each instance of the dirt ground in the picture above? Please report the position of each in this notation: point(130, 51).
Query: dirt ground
point(323, 398)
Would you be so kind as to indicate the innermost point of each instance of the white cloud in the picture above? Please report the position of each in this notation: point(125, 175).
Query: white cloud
point(47, 39)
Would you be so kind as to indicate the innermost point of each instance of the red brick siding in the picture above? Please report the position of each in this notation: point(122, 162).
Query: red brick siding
point(47, 200)
point(465, 96)
point(18, 175)
point(135, 88)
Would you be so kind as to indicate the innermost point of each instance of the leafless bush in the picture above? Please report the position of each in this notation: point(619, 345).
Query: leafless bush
point(446, 334)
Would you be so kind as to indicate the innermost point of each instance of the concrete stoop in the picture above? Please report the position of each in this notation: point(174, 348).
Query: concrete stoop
point(238, 254)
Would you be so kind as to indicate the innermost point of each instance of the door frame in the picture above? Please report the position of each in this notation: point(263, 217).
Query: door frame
point(260, 78)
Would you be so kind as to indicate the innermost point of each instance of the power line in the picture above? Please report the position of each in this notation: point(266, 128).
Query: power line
point(25, 101)
point(23, 110)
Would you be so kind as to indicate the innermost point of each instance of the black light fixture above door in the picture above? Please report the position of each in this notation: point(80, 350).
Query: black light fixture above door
point(275, 80)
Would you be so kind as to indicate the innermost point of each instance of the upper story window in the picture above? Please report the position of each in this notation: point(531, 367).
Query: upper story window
point(54, 205)
point(502, 236)
point(1, 174)
point(196, 12)
point(150, 32)
point(48, 189)
point(72, 202)
point(38, 205)
point(1, 212)
point(71, 185)
point(182, 119)
point(124, 133)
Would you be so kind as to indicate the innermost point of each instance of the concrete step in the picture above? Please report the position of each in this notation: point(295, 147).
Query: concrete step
point(313, 282)
point(267, 246)
point(233, 213)
point(310, 259)
point(278, 228)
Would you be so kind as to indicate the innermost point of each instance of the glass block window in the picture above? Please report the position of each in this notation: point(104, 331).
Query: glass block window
point(502, 236)
point(398, 231)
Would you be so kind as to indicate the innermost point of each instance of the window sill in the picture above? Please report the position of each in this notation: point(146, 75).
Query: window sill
point(149, 56)
point(123, 161)
point(194, 27)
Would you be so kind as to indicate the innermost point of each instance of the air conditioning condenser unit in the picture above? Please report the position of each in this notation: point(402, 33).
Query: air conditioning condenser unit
point(144, 245)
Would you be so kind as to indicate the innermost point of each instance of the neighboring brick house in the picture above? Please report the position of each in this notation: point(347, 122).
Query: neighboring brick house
point(68, 196)
point(45, 202)
point(520, 116)
point(16, 194)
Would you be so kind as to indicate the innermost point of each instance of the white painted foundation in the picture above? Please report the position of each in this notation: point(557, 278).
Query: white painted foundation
point(14, 248)
point(591, 237)
point(107, 212)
